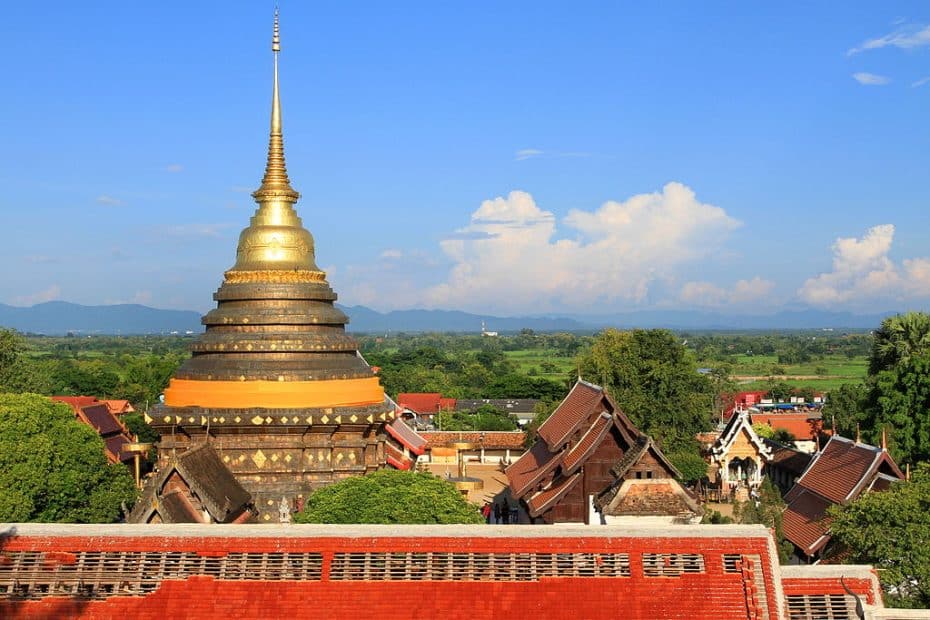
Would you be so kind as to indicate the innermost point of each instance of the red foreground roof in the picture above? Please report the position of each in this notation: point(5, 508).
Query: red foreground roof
point(339, 572)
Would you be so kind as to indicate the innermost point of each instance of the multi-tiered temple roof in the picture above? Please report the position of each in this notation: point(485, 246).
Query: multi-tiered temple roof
point(274, 385)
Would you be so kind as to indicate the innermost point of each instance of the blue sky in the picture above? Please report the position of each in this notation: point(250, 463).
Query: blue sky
point(517, 157)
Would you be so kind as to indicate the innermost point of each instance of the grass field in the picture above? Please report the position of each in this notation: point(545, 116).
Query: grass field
point(526, 359)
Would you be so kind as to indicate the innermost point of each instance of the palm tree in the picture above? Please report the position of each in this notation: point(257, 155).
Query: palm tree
point(898, 339)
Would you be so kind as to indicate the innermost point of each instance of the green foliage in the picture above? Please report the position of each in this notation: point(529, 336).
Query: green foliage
point(389, 496)
point(767, 509)
point(485, 418)
point(763, 430)
point(53, 468)
point(714, 517)
point(654, 380)
point(691, 465)
point(779, 390)
point(784, 437)
point(890, 530)
point(845, 407)
point(900, 338)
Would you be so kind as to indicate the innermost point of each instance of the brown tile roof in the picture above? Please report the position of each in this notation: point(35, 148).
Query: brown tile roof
point(841, 468)
point(662, 497)
point(587, 444)
point(838, 474)
point(788, 458)
point(543, 500)
point(493, 440)
point(571, 412)
point(176, 508)
point(804, 522)
point(212, 482)
point(531, 468)
point(408, 437)
point(643, 445)
point(115, 445)
point(99, 417)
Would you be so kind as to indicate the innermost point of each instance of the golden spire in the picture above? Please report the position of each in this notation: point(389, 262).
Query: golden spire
point(275, 239)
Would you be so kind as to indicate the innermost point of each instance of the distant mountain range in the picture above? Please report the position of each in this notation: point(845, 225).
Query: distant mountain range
point(60, 317)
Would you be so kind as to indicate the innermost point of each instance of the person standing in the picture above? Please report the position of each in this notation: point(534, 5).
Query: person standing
point(497, 512)
point(486, 512)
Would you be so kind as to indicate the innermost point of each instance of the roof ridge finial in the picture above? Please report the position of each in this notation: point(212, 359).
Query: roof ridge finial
point(884, 439)
point(275, 169)
point(858, 433)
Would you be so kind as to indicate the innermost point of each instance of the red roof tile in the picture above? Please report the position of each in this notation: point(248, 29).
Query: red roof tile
point(531, 468)
point(802, 425)
point(570, 413)
point(396, 458)
point(119, 407)
point(425, 402)
point(115, 445)
point(76, 402)
point(408, 437)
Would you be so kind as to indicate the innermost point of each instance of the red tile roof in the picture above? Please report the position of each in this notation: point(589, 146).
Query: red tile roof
point(425, 402)
point(570, 414)
point(408, 437)
point(115, 444)
point(802, 425)
point(76, 402)
point(119, 407)
point(396, 458)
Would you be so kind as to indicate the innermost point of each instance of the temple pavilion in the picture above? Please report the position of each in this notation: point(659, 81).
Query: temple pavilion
point(275, 387)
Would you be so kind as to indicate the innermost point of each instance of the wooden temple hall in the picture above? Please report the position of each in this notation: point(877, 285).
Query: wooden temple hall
point(275, 389)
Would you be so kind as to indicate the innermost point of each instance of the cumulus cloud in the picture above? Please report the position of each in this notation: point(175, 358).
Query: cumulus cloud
point(49, 294)
point(109, 201)
point(905, 37)
point(515, 256)
point(863, 272)
point(871, 79)
point(709, 295)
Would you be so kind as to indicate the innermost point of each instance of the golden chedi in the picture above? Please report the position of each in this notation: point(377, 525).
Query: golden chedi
point(275, 384)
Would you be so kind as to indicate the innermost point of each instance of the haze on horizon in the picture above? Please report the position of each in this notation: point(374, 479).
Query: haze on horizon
point(514, 159)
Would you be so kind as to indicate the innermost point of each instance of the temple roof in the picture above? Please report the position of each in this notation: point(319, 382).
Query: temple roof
point(838, 474)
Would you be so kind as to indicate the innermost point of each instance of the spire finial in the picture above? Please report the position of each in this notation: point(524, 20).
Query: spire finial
point(884, 439)
point(275, 170)
point(858, 433)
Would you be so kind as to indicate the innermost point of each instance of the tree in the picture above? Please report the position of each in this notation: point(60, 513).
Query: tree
point(845, 407)
point(389, 496)
point(900, 338)
point(690, 465)
point(654, 380)
point(53, 468)
point(890, 530)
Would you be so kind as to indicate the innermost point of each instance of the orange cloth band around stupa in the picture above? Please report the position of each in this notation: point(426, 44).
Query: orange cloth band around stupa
point(274, 394)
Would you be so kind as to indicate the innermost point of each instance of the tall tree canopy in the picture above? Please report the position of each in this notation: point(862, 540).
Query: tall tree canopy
point(655, 381)
point(899, 386)
point(53, 468)
point(890, 530)
point(389, 496)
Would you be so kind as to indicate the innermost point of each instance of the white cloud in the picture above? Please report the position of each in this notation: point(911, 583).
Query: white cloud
point(109, 201)
point(863, 273)
point(41, 259)
point(920, 82)
point(742, 293)
point(174, 168)
point(528, 153)
point(49, 294)
point(871, 79)
point(391, 253)
point(907, 37)
point(512, 256)
point(191, 231)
